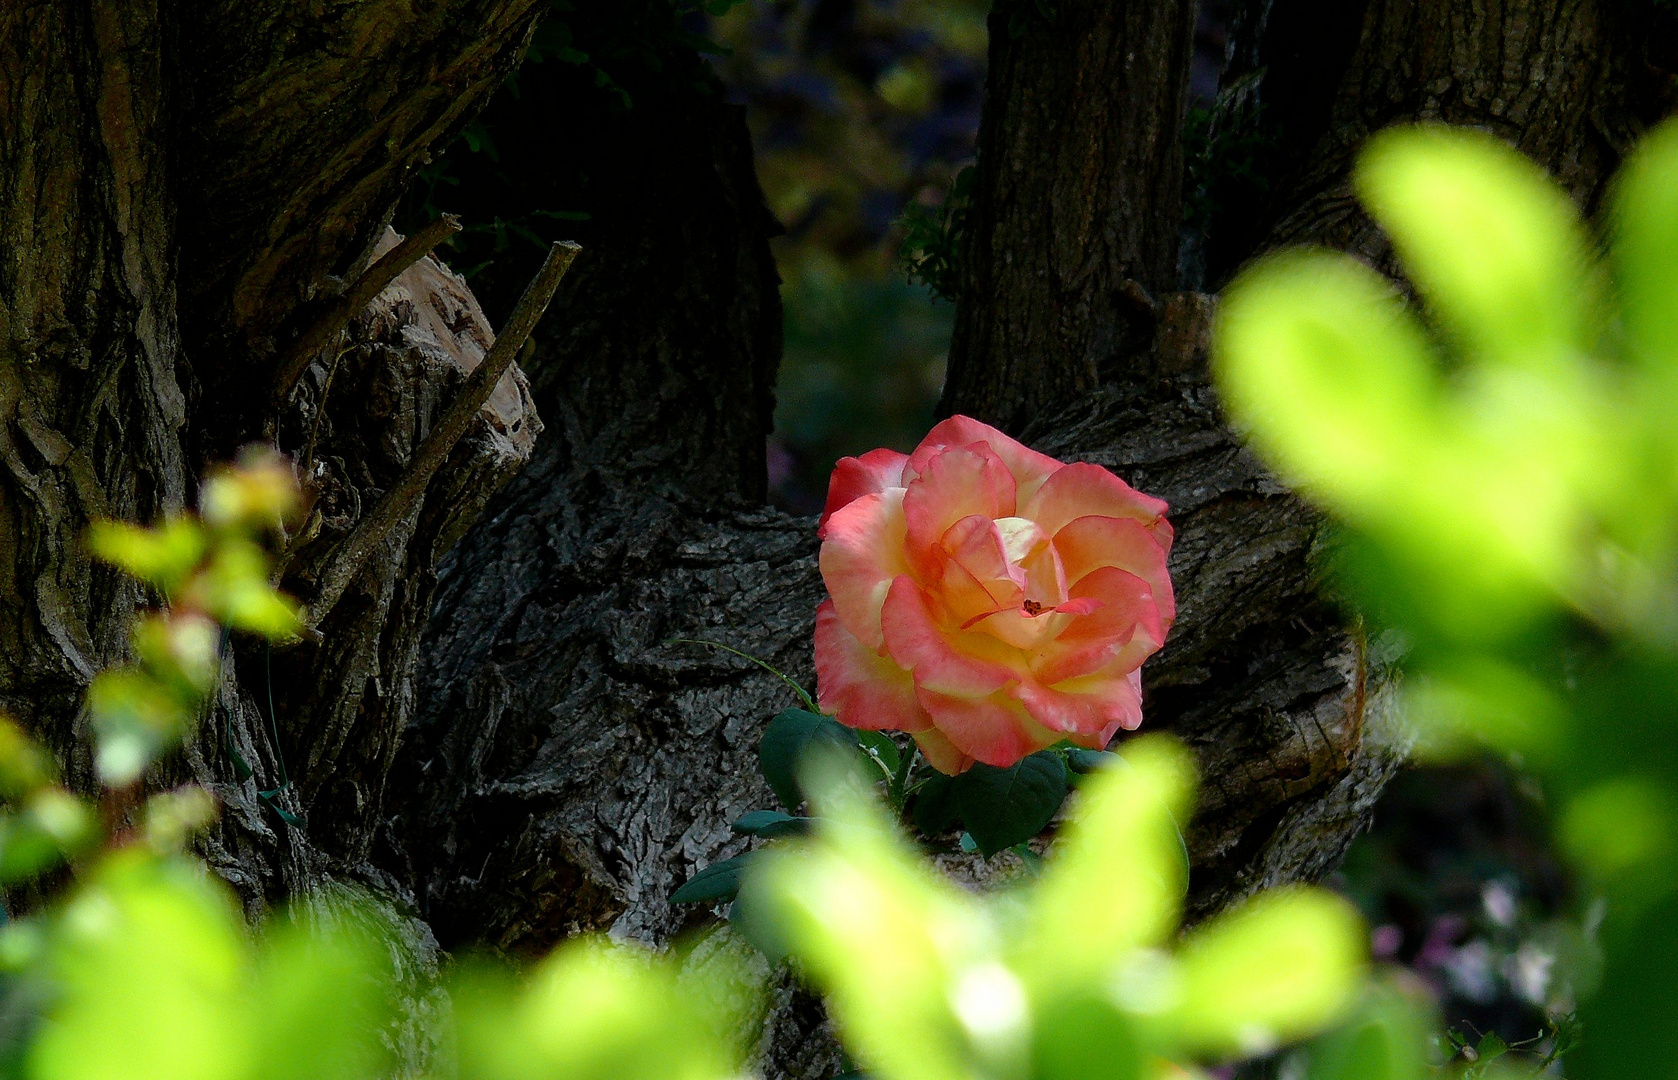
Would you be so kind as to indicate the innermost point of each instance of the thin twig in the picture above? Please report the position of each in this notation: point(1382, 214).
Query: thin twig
point(353, 552)
point(410, 251)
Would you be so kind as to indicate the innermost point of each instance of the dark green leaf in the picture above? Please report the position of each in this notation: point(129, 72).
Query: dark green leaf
point(879, 744)
point(1080, 760)
point(770, 824)
point(1002, 807)
point(935, 810)
point(719, 881)
point(787, 739)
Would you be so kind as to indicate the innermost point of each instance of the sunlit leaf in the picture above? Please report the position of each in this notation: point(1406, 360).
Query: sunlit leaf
point(590, 1011)
point(256, 494)
point(322, 995)
point(149, 964)
point(1386, 1040)
point(162, 556)
point(1319, 359)
point(24, 765)
point(1284, 965)
point(1494, 245)
point(1116, 875)
point(1644, 215)
point(882, 935)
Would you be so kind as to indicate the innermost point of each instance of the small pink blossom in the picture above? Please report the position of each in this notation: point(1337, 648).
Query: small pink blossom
point(988, 599)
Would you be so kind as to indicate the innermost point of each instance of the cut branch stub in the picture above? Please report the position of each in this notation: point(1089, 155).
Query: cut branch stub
point(332, 321)
point(349, 557)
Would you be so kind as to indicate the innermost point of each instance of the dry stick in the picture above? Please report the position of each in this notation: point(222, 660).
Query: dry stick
point(350, 555)
point(346, 307)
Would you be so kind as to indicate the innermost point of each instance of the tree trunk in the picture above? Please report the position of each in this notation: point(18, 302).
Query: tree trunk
point(186, 188)
point(1077, 208)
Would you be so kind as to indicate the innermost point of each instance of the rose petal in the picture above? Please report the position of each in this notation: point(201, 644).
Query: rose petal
point(854, 477)
point(1028, 467)
point(943, 661)
point(994, 729)
point(941, 753)
point(1115, 638)
point(977, 575)
point(1089, 543)
point(862, 553)
point(1084, 490)
point(955, 483)
point(858, 686)
point(1092, 707)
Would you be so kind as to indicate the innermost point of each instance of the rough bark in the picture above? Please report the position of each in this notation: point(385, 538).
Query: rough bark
point(185, 187)
point(1571, 83)
point(570, 766)
point(566, 765)
point(1077, 204)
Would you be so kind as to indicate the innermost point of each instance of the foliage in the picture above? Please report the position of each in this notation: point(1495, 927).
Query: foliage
point(1505, 472)
point(1073, 976)
point(932, 238)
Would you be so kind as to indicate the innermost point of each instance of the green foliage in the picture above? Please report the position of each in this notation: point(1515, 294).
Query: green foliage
point(1505, 472)
point(933, 238)
point(1074, 975)
point(1004, 807)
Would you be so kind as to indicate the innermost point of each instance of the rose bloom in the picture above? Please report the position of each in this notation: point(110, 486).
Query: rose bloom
point(988, 599)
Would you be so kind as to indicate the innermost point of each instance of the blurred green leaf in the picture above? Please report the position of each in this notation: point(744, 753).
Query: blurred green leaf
point(323, 995)
point(1386, 1040)
point(149, 962)
point(162, 556)
point(1493, 244)
point(135, 718)
point(1283, 965)
point(1116, 874)
point(1644, 215)
point(590, 1011)
point(881, 934)
point(1085, 1037)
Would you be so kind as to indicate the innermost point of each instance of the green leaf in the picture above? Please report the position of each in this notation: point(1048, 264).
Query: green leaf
point(770, 824)
point(787, 739)
point(1283, 966)
point(1645, 252)
point(1002, 807)
point(1085, 1038)
point(1080, 760)
point(880, 747)
point(1121, 855)
point(1387, 1040)
point(149, 967)
point(719, 881)
point(935, 810)
point(1494, 245)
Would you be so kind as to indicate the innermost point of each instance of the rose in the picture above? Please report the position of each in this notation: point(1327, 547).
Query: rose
point(987, 599)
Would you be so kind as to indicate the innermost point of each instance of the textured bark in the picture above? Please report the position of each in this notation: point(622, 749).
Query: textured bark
point(1571, 83)
point(1077, 205)
point(567, 766)
point(185, 186)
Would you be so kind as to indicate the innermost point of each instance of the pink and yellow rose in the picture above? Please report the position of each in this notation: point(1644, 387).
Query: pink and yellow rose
point(987, 599)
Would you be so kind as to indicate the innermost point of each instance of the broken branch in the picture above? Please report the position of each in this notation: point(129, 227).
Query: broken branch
point(350, 555)
point(369, 285)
